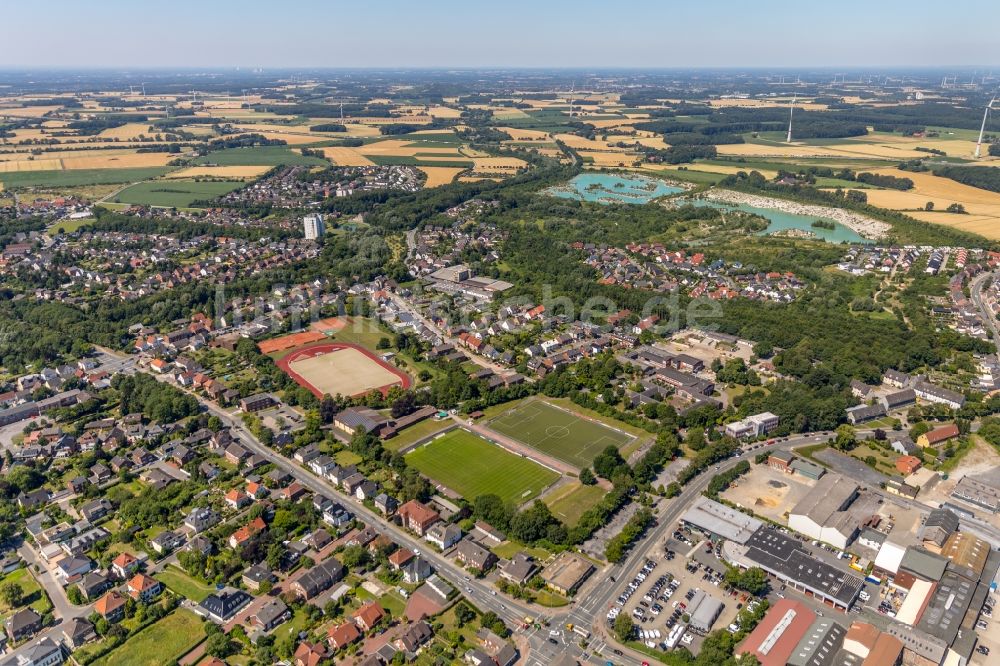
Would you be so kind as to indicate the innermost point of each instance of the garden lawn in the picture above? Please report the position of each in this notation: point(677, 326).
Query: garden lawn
point(179, 582)
point(160, 643)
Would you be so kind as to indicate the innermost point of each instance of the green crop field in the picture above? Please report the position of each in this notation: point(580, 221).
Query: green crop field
point(76, 177)
point(557, 432)
point(472, 466)
point(260, 155)
point(160, 643)
point(174, 193)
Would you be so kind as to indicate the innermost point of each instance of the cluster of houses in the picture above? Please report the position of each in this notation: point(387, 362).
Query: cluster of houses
point(653, 267)
point(129, 266)
point(864, 259)
point(667, 375)
point(439, 247)
point(898, 391)
point(56, 208)
point(300, 187)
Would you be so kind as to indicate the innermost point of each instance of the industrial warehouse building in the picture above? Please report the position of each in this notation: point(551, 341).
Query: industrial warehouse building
point(784, 558)
point(718, 520)
point(776, 637)
point(704, 610)
point(822, 513)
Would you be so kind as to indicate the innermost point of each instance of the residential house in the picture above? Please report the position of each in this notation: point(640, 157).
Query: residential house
point(111, 606)
point(318, 579)
point(23, 624)
point(416, 517)
point(144, 588)
point(444, 535)
point(270, 615)
point(386, 504)
point(247, 533)
point(201, 518)
point(413, 637)
point(518, 569)
point(221, 606)
point(399, 558)
point(124, 565)
point(471, 554)
point(368, 616)
point(417, 570)
point(45, 652)
point(96, 509)
point(94, 584)
point(78, 631)
point(310, 654)
point(257, 575)
point(166, 541)
point(342, 635)
point(237, 499)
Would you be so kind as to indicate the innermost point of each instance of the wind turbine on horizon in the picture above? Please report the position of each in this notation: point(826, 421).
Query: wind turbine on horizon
point(791, 110)
point(982, 128)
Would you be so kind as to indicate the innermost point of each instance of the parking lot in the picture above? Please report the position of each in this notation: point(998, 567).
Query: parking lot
point(656, 597)
point(988, 630)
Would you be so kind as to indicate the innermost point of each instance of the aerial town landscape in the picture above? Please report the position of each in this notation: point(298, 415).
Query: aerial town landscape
point(373, 359)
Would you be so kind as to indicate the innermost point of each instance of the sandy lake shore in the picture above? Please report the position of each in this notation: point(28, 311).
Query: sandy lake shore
point(860, 224)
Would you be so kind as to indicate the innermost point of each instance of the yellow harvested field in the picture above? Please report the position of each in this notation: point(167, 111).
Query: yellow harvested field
point(764, 103)
point(31, 165)
point(126, 161)
point(357, 130)
point(472, 152)
point(608, 123)
point(410, 120)
point(982, 206)
point(648, 141)
point(27, 111)
point(219, 172)
point(499, 163)
point(525, 134)
point(342, 156)
point(609, 159)
point(952, 147)
point(987, 226)
point(128, 132)
point(444, 112)
point(437, 176)
point(292, 138)
point(404, 148)
point(582, 143)
point(23, 135)
point(476, 179)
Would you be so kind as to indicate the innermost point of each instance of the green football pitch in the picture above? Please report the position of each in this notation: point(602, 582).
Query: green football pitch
point(558, 432)
point(472, 466)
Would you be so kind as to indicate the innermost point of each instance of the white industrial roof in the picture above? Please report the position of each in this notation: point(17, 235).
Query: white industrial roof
point(890, 556)
point(720, 519)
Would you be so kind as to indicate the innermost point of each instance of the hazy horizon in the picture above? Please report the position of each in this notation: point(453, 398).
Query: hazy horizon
point(517, 35)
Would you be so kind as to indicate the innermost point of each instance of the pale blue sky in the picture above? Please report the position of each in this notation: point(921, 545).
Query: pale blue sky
point(498, 33)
